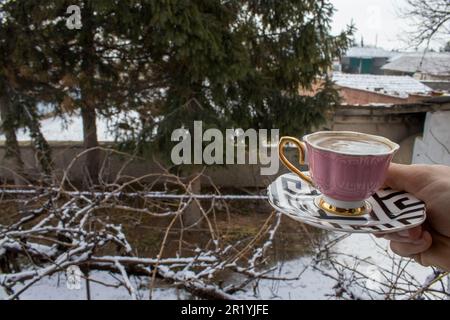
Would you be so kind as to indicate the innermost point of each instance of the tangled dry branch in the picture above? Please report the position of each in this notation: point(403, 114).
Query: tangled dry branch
point(60, 226)
point(53, 228)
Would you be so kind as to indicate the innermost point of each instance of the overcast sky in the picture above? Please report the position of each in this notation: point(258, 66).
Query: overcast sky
point(376, 20)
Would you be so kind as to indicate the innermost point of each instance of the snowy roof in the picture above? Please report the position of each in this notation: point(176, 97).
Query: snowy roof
point(401, 86)
point(369, 52)
point(435, 63)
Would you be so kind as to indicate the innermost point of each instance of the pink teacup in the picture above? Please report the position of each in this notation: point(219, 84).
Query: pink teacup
point(347, 167)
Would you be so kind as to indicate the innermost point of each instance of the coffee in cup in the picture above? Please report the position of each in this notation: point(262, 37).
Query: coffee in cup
point(352, 145)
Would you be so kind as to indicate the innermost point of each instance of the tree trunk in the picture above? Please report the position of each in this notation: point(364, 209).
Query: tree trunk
point(12, 159)
point(92, 158)
point(41, 147)
point(89, 98)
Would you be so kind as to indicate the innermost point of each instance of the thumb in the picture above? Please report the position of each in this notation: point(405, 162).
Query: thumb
point(410, 178)
point(438, 254)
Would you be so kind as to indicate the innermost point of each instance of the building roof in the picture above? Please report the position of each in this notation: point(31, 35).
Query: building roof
point(437, 85)
point(433, 63)
point(428, 105)
point(399, 86)
point(369, 52)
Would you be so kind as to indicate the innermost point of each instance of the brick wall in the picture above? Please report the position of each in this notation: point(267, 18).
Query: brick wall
point(361, 97)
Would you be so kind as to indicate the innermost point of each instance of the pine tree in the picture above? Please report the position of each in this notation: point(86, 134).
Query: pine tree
point(12, 158)
point(235, 64)
point(85, 70)
point(18, 108)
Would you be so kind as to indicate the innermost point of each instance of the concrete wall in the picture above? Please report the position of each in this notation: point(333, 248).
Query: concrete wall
point(233, 176)
point(401, 124)
point(400, 128)
point(434, 146)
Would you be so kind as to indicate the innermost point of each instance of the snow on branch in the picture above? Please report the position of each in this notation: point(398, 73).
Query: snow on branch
point(48, 229)
point(59, 226)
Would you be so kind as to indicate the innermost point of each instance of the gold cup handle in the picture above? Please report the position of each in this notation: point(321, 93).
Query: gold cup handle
point(301, 154)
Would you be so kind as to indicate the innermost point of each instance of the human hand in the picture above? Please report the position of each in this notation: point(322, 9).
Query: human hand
point(428, 244)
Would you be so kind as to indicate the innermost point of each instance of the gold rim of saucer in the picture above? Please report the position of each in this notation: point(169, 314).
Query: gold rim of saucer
point(356, 212)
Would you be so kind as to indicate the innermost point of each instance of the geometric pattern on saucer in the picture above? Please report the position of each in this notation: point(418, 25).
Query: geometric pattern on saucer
point(392, 210)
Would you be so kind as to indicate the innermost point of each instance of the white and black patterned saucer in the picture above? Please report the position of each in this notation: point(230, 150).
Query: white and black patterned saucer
point(392, 211)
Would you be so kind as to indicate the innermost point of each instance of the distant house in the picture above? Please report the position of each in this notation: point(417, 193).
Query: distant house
point(429, 66)
point(361, 89)
point(365, 60)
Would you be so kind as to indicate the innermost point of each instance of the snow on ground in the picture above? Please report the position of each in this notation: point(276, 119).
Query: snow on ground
point(314, 285)
point(55, 288)
point(56, 129)
point(69, 129)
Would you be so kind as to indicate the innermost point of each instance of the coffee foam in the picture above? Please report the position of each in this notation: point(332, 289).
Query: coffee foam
point(352, 145)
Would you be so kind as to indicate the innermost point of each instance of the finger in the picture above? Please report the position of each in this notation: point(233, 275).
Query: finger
point(417, 258)
point(439, 253)
point(413, 233)
point(409, 249)
point(409, 235)
point(397, 238)
point(379, 235)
